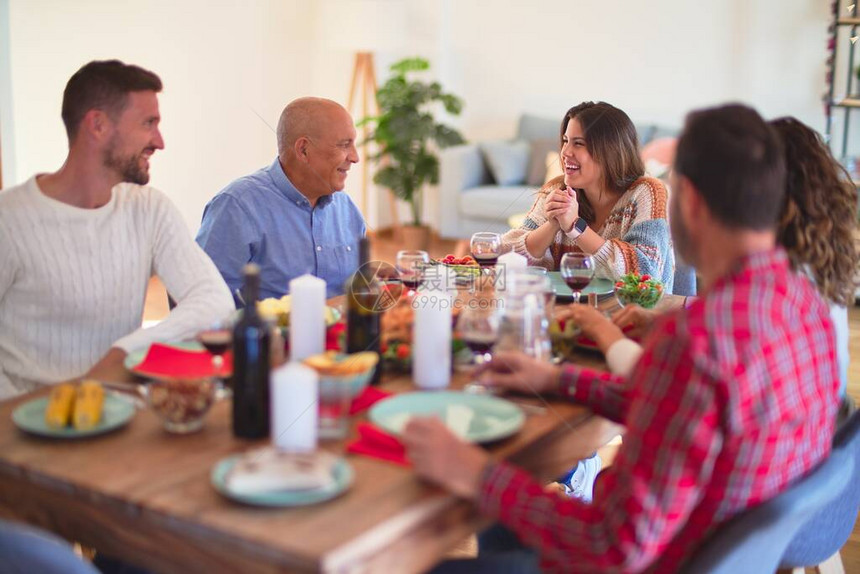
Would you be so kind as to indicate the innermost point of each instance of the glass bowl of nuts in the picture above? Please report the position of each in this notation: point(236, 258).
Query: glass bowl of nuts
point(182, 404)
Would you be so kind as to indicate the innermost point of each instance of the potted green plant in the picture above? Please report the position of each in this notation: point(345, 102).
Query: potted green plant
point(407, 135)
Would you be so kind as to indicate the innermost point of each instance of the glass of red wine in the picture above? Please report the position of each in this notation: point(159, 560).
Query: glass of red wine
point(218, 339)
point(486, 248)
point(410, 267)
point(478, 328)
point(577, 270)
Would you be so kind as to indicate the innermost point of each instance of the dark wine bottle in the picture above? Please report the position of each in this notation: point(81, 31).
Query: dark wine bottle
point(363, 307)
point(251, 343)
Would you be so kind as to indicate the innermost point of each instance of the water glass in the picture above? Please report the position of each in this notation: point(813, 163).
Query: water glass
point(334, 401)
point(478, 328)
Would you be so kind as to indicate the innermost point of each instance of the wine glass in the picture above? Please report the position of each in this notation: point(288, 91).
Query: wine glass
point(577, 270)
point(410, 267)
point(217, 339)
point(478, 328)
point(486, 248)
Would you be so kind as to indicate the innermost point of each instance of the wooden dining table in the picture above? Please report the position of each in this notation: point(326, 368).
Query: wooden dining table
point(144, 495)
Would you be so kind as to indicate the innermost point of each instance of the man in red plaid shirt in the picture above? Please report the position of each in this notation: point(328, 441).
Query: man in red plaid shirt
point(732, 400)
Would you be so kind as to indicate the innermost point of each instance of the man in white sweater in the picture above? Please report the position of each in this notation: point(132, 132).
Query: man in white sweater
point(78, 246)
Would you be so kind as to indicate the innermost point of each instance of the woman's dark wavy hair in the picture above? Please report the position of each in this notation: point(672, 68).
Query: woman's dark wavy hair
point(819, 214)
point(611, 140)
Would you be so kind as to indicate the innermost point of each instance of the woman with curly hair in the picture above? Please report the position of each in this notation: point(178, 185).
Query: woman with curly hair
point(817, 224)
point(603, 205)
point(816, 228)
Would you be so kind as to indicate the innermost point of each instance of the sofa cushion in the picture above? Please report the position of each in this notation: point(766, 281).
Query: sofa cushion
point(506, 160)
point(540, 149)
point(497, 202)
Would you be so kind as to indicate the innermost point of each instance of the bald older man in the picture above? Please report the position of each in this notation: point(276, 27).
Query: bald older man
point(289, 218)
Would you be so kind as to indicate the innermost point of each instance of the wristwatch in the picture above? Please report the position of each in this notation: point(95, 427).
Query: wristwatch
point(578, 228)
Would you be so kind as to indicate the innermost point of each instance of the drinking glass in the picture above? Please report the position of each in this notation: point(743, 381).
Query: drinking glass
point(217, 339)
point(478, 328)
point(577, 270)
point(410, 267)
point(486, 248)
point(334, 401)
point(548, 289)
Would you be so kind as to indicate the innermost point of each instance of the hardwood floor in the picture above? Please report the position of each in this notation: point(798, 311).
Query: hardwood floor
point(385, 248)
point(851, 550)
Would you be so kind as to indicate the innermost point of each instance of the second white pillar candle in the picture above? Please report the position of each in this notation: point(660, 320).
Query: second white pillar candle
point(431, 339)
point(294, 395)
point(307, 317)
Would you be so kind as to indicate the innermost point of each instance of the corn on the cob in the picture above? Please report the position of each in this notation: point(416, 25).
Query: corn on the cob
point(88, 405)
point(58, 413)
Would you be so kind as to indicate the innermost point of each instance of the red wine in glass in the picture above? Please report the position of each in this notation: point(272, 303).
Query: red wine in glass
point(486, 259)
point(216, 341)
point(479, 344)
point(577, 283)
point(577, 269)
point(485, 248)
point(411, 284)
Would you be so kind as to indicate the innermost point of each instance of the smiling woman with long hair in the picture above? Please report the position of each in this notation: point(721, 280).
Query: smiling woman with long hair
point(603, 205)
point(818, 222)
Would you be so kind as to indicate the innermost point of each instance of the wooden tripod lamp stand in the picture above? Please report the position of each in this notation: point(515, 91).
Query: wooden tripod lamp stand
point(362, 91)
point(365, 28)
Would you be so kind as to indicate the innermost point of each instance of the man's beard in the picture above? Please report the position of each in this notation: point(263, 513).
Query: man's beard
point(684, 244)
point(128, 167)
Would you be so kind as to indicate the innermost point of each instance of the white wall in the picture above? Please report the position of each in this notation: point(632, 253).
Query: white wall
point(223, 61)
point(656, 60)
point(7, 151)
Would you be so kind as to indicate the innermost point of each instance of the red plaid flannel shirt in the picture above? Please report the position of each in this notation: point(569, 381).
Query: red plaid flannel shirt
point(732, 400)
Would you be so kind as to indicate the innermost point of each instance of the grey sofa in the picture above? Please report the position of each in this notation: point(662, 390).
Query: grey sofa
point(470, 200)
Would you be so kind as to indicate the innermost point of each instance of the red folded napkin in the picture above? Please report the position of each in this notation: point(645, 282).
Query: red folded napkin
point(333, 335)
point(167, 361)
point(368, 397)
point(377, 444)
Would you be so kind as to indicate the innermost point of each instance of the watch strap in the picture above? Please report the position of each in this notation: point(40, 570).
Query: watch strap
point(578, 228)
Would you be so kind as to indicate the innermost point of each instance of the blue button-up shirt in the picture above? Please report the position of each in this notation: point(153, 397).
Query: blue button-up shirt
point(262, 218)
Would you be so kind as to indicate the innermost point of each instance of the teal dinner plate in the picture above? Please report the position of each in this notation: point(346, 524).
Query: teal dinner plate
point(30, 417)
point(598, 285)
point(343, 477)
point(493, 418)
point(136, 357)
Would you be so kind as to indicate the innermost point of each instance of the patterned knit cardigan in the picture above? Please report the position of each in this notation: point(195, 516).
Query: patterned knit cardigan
point(636, 233)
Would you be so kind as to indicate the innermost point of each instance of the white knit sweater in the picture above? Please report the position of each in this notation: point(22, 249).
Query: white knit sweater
point(73, 281)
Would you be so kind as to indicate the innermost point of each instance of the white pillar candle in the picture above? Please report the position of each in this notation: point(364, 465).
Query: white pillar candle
point(307, 317)
point(293, 396)
point(431, 339)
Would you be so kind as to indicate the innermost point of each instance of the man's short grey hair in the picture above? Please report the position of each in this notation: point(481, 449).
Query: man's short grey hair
point(299, 119)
